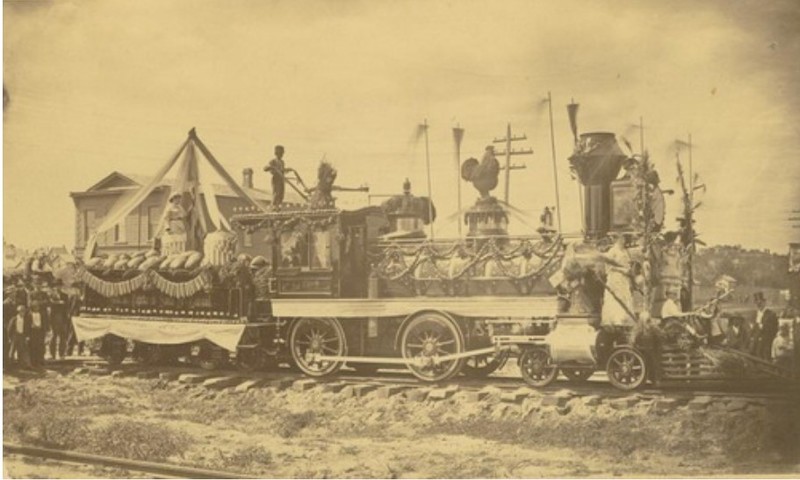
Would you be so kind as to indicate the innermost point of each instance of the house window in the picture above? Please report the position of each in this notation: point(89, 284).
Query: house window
point(120, 234)
point(89, 219)
point(153, 217)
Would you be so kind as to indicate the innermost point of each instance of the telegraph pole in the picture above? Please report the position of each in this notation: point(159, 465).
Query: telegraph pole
point(428, 168)
point(690, 221)
point(508, 153)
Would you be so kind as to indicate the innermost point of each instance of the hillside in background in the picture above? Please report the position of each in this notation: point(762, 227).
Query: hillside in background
point(751, 268)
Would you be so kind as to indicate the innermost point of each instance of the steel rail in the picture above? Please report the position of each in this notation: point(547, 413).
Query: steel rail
point(161, 469)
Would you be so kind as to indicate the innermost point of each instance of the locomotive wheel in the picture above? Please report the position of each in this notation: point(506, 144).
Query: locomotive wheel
point(427, 337)
point(626, 369)
point(537, 367)
point(317, 336)
point(114, 349)
point(577, 374)
point(484, 365)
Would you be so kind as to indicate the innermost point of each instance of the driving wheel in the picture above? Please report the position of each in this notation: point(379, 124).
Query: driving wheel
point(312, 337)
point(427, 338)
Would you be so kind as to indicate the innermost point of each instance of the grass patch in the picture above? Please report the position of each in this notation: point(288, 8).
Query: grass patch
point(249, 460)
point(288, 424)
point(138, 440)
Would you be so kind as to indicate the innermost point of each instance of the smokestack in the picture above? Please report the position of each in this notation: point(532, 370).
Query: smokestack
point(247, 178)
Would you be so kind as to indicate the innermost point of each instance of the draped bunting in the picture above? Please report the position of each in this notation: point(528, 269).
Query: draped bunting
point(152, 278)
point(158, 333)
point(180, 289)
point(113, 289)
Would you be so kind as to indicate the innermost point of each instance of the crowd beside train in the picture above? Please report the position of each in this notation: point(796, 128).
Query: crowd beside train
point(38, 311)
point(37, 314)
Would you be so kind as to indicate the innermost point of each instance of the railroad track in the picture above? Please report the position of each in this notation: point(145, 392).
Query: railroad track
point(153, 469)
point(284, 378)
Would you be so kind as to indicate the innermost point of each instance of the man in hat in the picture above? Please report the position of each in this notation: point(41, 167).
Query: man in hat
point(18, 331)
point(277, 168)
point(59, 320)
point(38, 327)
point(767, 324)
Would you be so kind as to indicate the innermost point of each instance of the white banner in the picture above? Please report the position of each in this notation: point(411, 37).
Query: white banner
point(520, 307)
point(160, 333)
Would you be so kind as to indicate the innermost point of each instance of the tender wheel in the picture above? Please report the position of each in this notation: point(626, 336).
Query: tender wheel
point(577, 374)
point(626, 369)
point(427, 337)
point(114, 349)
point(537, 367)
point(317, 336)
point(484, 365)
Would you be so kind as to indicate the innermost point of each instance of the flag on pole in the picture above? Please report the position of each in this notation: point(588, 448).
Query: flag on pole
point(572, 111)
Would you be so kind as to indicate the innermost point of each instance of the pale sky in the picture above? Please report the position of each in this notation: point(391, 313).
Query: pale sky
point(98, 86)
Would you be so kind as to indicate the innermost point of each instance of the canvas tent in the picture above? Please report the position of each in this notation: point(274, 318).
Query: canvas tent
point(197, 197)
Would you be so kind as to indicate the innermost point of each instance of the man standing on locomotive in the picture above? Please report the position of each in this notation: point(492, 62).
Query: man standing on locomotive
point(277, 168)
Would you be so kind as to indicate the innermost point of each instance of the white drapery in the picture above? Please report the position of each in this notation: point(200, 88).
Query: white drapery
point(157, 332)
point(187, 182)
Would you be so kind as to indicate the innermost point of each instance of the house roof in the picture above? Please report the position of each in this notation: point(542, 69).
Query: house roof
point(124, 181)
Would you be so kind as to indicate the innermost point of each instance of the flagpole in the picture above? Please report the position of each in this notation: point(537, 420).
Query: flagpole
point(428, 167)
point(458, 134)
point(641, 135)
point(553, 149)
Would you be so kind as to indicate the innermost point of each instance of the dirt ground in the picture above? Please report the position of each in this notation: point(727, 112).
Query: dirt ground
point(318, 434)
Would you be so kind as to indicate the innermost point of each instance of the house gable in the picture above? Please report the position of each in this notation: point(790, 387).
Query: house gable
point(114, 180)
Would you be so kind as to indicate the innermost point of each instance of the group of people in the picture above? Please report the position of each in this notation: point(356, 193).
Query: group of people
point(37, 313)
point(761, 335)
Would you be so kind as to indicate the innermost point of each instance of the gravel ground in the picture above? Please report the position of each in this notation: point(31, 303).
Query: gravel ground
point(293, 434)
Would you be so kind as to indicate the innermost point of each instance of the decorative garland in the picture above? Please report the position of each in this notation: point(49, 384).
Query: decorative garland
point(113, 289)
point(391, 263)
point(198, 283)
point(180, 289)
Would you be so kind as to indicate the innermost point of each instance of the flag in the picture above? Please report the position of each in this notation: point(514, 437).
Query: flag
point(458, 135)
point(572, 111)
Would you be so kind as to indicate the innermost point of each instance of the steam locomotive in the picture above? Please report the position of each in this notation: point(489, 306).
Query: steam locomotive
point(320, 288)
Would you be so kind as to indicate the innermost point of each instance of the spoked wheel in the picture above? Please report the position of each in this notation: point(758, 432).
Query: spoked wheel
point(484, 365)
point(577, 374)
point(626, 369)
point(537, 367)
point(317, 336)
point(114, 349)
point(427, 337)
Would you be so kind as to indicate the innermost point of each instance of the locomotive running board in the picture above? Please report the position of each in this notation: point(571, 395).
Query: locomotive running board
point(402, 361)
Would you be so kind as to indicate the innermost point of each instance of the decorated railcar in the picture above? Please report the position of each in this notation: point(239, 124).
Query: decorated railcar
point(321, 287)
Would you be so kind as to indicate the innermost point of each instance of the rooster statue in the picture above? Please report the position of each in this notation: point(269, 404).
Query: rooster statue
point(483, 175)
